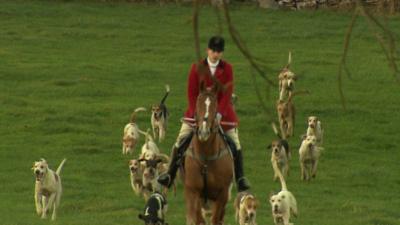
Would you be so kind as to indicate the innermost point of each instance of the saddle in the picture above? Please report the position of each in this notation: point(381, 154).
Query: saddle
point(185, 143)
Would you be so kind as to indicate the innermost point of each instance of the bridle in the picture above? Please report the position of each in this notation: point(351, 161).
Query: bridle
point(204, 127)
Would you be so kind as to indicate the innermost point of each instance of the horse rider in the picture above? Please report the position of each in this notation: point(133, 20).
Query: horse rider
point(222, 71)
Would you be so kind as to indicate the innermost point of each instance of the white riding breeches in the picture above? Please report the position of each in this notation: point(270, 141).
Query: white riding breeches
point(186, 129)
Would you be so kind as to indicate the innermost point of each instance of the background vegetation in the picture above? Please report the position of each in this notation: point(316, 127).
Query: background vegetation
point(71, 74)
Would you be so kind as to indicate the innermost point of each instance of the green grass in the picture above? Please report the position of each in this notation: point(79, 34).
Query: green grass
point(71, 73)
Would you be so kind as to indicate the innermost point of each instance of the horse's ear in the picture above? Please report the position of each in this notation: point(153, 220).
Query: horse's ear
point(202, 86)
point(216, 88)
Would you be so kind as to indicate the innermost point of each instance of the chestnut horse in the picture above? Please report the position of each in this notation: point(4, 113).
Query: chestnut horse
point(208, 167)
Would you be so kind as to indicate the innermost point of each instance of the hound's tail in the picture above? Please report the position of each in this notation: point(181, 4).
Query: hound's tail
point(147, 135)
point(163, 157)
point(58, 171)
point(276, 131)
point(289, 60)
point(133, 115)
point(166, 93)
point(281, 178)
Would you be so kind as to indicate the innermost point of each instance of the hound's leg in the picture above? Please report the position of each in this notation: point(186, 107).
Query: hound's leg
point(50, 203)
point(162, 134)
point(283, 129)
point(314, 168)
point(155, 132)
point(38, 203)
point(45, 204)
point(55, 206)
point(303, 171)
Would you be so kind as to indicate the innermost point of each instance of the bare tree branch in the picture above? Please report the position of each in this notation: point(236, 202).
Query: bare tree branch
point(390, 50)
point(195, 20)
point(388, 46)
point(343, 64)
point(240, 44)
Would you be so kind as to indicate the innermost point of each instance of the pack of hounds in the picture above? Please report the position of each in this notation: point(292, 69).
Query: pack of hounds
point(145, 169)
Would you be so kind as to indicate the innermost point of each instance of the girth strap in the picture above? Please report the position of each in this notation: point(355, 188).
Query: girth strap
point(204, 158)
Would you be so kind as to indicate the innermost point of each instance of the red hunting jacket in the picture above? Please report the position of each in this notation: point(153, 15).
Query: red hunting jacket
point(225, 75)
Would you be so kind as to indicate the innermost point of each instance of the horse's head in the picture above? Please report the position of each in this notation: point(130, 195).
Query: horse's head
point(206, 111)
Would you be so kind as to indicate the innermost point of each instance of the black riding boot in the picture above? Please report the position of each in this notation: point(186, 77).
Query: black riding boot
point(241, 182)
point(167, 178)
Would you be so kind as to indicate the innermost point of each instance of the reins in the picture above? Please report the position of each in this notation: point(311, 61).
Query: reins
point(202, 159)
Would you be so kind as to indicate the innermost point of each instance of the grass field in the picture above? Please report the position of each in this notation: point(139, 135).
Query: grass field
point(71, 74)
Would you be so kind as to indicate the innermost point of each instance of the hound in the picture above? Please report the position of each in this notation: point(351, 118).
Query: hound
point(280, 154)
point(309, 156)
point(149, 148)
point(136, 175)
point(315, 128)
point(286, 80)
point(131, 133)
point(286, 116)
point(283, 204)
point(155, 210)
point(246, 206)
point(159, 117)
point(48, 189)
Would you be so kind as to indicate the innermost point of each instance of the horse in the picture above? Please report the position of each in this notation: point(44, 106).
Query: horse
point(208, 165)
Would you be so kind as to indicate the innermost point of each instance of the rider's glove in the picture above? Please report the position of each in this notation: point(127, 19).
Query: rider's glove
point(218, 117)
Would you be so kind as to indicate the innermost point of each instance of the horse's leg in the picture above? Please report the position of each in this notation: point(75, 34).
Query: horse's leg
point(199, 213)
point(190, 207)
point(218, 212)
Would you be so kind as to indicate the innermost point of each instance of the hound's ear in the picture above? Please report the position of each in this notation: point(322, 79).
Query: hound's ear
point(271, 193)
point(140, 216)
